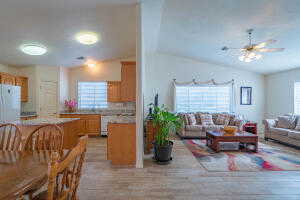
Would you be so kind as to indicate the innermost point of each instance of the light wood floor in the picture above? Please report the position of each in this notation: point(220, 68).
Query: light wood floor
point(184, 179)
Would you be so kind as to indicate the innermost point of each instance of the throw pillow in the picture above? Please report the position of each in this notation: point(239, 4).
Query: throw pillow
point(184, 118)
point(192, 119)
point(288, 122)
point(298, 125)
point(198, 117)
point(222, 120)
point(206, 120)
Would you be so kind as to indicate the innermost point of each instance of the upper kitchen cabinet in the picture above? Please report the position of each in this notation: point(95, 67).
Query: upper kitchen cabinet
point(114, 91)
point(128, 83)
point(7, 79)
point(23, 83)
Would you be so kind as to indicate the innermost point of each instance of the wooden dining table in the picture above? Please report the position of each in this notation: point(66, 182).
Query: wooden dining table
point(20, 171)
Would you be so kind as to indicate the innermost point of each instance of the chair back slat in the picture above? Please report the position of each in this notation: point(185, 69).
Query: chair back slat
point(64, 174)
point(10, 137)
point(46, 137)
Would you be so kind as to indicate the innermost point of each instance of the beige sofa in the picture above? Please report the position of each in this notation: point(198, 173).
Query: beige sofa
point(289, 136)
point(199, 130)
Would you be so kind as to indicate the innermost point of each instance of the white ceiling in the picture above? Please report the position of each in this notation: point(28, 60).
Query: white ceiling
point(200, 28)
point(54, 23)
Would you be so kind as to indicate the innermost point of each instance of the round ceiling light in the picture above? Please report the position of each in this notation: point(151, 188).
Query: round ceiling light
point(87, 38)
point(33, 49)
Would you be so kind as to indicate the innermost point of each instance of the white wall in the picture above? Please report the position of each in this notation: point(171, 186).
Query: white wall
point(63, 86)
point(161, 69)
point(105, 71)
point(280, 92)
point(9, 69)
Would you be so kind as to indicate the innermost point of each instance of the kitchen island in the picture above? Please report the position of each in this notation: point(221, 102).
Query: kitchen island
point(70, 127)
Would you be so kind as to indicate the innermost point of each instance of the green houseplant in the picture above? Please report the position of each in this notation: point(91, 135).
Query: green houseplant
point(165, 123)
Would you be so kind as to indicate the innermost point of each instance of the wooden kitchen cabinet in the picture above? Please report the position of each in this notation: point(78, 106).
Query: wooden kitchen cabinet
point(114, 91)
point(23, 83)
point(7, 79)
point(128, 83)
point(28, 118)
point(90, 124)
point(121, 144)
point(16, 80)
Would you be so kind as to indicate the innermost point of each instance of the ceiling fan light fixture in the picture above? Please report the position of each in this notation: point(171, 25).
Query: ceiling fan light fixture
point(248, 52)
point(242, 58)
point(258, 56)
point(247, 60)
point(251, 55)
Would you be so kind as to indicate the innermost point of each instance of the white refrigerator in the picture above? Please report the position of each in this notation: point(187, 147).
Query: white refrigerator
point(10, 103)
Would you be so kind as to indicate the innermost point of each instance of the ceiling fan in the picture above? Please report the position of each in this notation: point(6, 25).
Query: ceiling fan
point(250, 51)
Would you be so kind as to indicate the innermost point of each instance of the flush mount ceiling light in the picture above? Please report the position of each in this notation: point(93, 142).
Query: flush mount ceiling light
point(33, 49)
point(87, 38)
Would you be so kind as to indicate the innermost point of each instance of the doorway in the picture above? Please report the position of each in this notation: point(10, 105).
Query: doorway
point(48, 99)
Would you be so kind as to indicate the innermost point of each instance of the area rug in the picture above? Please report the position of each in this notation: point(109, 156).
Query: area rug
point(267, 158)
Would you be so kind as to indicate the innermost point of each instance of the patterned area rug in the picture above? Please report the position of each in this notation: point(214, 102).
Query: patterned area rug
point(267, 158)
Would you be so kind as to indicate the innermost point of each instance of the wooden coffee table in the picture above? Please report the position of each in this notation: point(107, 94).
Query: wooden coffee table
point(213, 138)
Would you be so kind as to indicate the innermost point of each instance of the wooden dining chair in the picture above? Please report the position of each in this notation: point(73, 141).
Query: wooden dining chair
point(10, 137)
point(64, 174)
point(46, 137)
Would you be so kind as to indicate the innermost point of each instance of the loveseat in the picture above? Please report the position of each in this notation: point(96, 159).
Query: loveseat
point(284, 129)
point(196, 128)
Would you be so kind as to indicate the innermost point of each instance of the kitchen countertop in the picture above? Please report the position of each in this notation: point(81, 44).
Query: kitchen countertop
point(43, 121)
point(103, 112)
point(28, 114)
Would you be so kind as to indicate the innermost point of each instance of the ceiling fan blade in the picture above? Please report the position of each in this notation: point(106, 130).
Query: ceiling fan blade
point(228, 48)
point(263, 44)
point(269, 50)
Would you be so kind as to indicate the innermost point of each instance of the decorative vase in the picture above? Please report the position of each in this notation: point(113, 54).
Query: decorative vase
point(71, 109)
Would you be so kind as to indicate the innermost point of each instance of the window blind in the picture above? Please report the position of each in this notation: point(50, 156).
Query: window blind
point(297, 98)
point(92, 95)
point(203, 98)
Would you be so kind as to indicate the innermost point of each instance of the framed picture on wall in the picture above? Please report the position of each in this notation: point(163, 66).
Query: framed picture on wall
point(246, 95)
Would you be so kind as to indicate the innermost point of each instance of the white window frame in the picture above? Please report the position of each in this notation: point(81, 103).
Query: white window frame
point(297, 97)
point(78, 99)
point(231, 96)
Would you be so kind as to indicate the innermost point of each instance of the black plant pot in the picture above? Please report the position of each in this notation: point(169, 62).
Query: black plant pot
point(162, 154)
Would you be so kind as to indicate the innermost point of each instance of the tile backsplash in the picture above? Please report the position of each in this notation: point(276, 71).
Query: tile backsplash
point(121, 106)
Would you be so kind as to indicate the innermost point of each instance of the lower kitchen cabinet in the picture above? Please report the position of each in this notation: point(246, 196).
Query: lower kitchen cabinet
point(121, 143)
point(90, 124)
point(28, 118)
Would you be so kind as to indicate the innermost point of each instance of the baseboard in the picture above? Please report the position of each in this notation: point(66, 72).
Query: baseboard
point(283, 143)
point(189, 137)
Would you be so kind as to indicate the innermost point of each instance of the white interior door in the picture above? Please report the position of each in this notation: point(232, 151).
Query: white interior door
point(48, 99)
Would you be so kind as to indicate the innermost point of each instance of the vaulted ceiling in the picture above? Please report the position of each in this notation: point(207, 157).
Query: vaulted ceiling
point(200, 28)
point(54, 24)
point(196, 29)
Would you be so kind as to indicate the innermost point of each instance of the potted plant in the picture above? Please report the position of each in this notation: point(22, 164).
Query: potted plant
point(165, 123)
point(70, 105)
